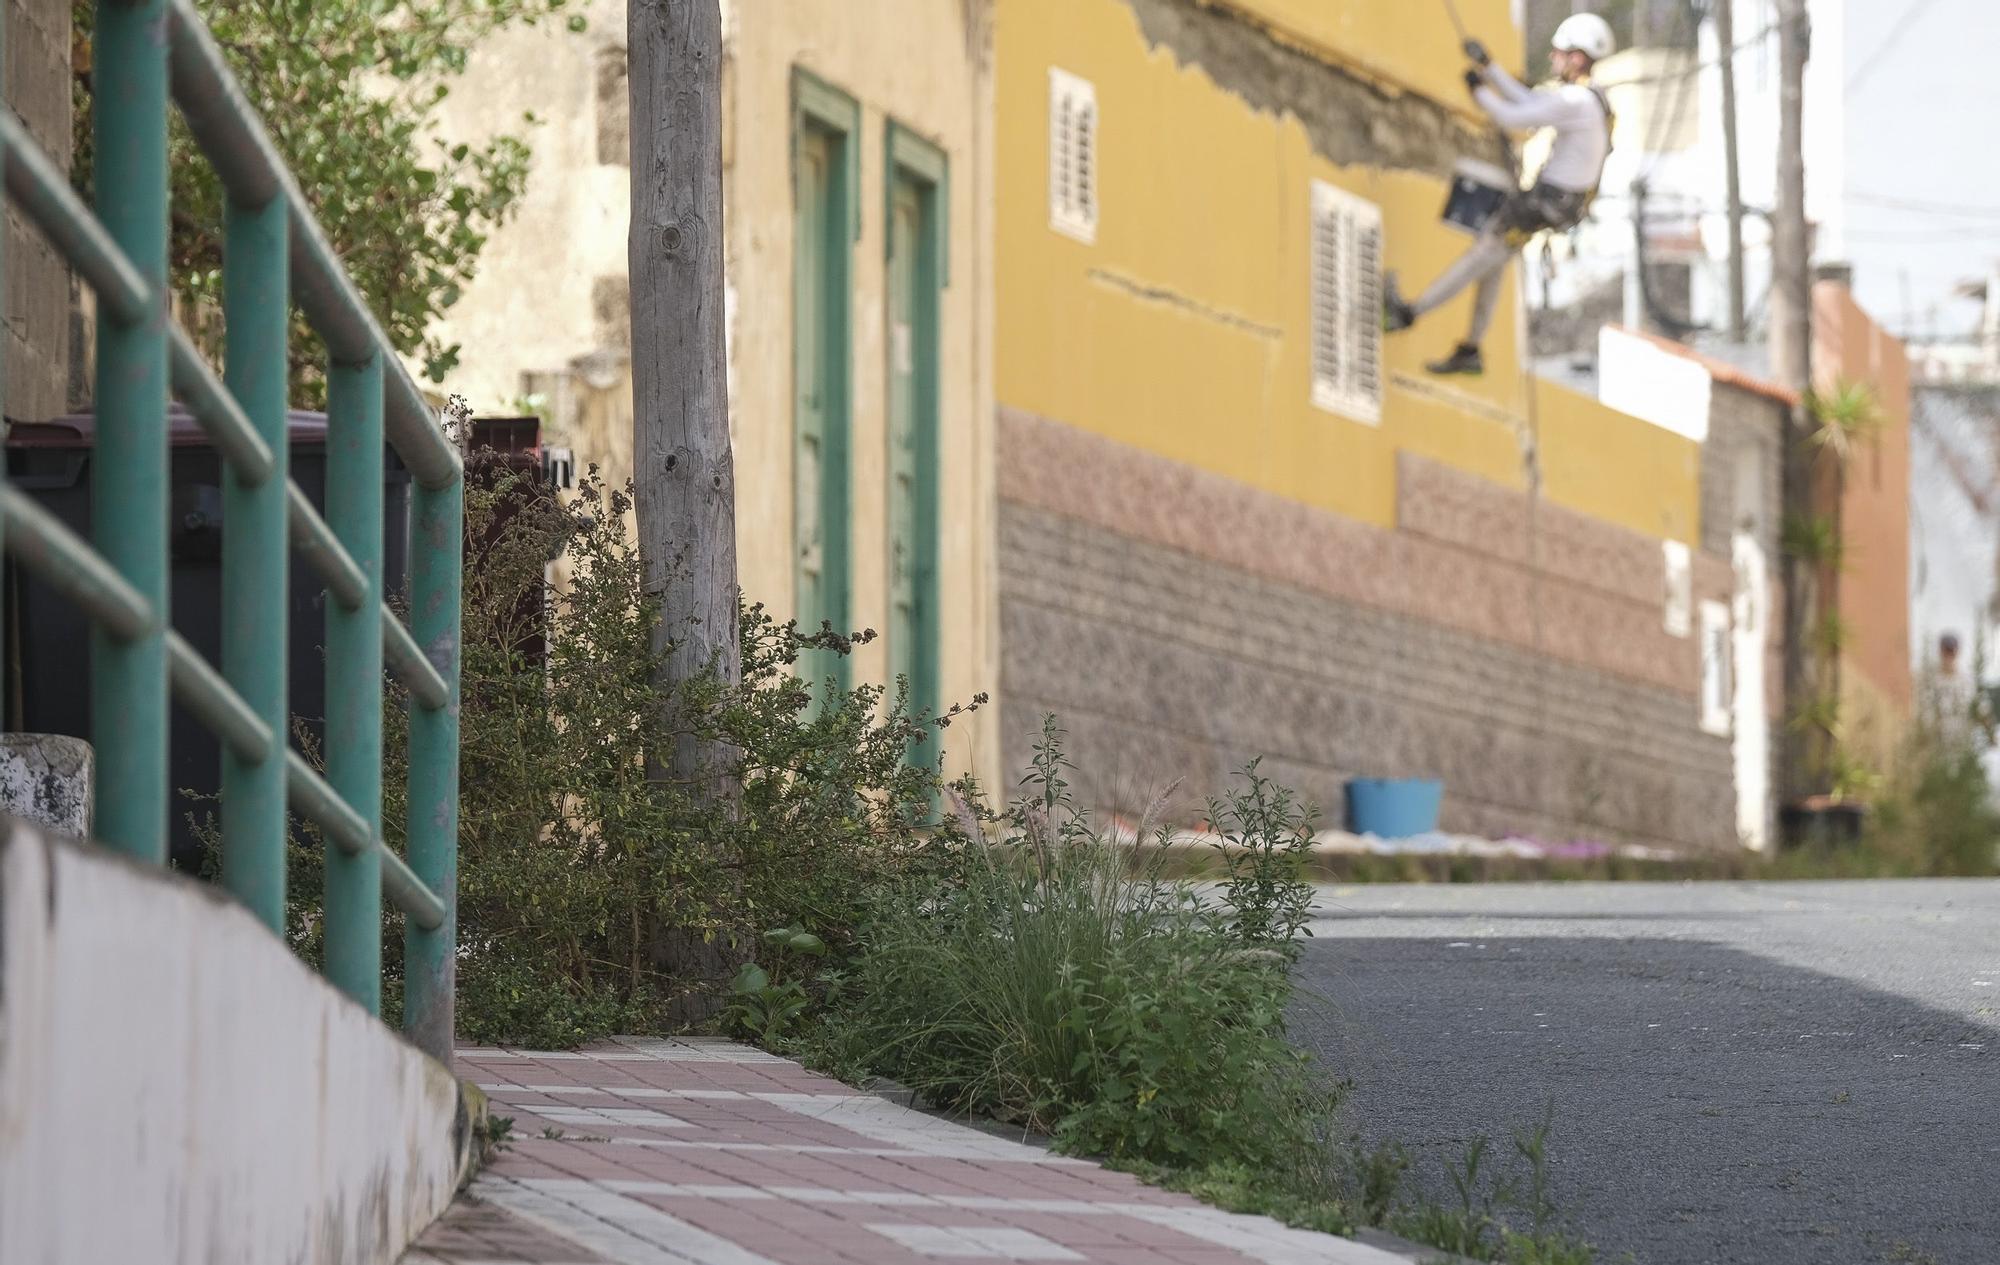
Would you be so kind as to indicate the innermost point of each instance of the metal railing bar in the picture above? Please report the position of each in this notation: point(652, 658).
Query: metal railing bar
point(234, 140)
point(315, 800)
point(217, 411)
point(67, 564)
point(201, 688)
point(44, 195)
point(408, 893)
point(408, 663)
point(313, 538)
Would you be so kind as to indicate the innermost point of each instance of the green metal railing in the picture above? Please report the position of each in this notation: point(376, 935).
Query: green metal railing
point(275, 255)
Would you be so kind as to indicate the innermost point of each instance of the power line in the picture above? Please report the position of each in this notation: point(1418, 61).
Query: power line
point(1940, 236)
point(1656, 134)
point(1695, 68)
point(1916, 10)
point(1921, 207)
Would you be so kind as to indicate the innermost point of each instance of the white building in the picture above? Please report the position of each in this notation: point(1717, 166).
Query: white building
point(1669, 142)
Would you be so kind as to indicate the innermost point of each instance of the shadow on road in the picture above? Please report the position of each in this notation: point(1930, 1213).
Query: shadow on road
point(1711, 1105)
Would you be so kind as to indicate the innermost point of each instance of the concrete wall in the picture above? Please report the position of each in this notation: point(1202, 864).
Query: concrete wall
point(37, 284)
point(1179, 623)
point(547, 314)
point(177, 1087)
point(1742, 519)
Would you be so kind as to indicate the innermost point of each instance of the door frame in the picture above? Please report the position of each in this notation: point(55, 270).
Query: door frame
point(818, 106)
point(914, 162)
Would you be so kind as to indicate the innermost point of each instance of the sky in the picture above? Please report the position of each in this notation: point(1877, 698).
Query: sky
point(1922, 104)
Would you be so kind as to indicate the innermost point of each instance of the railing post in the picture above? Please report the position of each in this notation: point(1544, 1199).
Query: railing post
point(354, 678)
point(129, 471)
point(437, 540)
point(255, 592)
point(3, 353)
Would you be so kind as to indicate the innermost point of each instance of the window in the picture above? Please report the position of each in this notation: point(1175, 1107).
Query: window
point(1678, 587)
point(1072, 156)
point(1715, 655)
point(1346, 304)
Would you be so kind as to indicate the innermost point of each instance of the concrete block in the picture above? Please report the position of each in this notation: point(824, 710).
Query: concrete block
point(46, 779)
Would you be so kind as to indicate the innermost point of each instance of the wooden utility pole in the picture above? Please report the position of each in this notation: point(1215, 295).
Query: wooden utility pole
point(1725, 38)
point(1791, 362)
point(683, 471)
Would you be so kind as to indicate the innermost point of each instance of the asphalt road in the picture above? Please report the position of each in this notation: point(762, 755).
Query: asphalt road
point(1775, 1073)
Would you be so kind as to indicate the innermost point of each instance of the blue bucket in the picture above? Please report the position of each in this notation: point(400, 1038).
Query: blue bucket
point(1393, 808)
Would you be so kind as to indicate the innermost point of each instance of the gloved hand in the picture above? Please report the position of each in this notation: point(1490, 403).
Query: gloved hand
point(1474, 81)
point(1477, 52)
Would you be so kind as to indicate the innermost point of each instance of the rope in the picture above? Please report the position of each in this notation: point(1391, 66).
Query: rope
point(1457, 22)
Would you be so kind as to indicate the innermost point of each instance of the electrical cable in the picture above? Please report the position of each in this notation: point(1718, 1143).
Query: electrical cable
point(1911, 13)
point(1685, 72)
point(1921, 207)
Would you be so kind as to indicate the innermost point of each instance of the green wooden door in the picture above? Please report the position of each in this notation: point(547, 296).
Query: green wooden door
point(820, 342)
point(913, 439)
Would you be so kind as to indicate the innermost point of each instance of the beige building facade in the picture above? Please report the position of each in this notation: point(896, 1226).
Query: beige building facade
point(856, 185)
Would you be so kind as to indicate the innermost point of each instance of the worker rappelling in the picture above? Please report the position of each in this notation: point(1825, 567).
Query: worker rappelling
point(1561, 193)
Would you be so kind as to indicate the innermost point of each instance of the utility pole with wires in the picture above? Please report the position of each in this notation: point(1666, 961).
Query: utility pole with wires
point(1725, 41)
point(1791, 363)
point(683, 467)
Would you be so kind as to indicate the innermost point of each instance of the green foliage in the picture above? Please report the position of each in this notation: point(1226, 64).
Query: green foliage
point(1039, 981)
point(1937, 815)
point(350, 91)
point(1504, 1217)
point(1815, 540)
point(1265, 842)
point(761, 1007)
point(1831, 634)
point(1844, 418)
point(494, 1135)
point(575, 856)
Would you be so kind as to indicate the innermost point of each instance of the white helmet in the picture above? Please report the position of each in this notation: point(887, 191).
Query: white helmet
point(1588, 34)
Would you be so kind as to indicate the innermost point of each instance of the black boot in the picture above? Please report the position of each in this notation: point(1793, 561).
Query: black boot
point(1464, 359)
point(1397, 315)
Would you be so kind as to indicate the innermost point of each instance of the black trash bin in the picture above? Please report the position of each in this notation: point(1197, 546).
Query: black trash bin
point(47, 685)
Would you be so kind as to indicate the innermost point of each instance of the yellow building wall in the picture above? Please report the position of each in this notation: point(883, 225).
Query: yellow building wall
point(1184, 328)
point(1616, 468)
point(1404, 43)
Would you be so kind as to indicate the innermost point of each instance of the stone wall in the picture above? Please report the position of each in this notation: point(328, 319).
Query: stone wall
point(37, 285)
point(1179, 624)
point(1743, 427)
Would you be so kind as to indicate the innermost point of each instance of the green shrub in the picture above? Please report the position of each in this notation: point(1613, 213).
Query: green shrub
point(1938, 816)
point(572, 860)
point(1038, 980)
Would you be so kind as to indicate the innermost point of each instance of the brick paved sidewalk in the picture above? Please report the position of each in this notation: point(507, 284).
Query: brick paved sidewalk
point(695, 1152)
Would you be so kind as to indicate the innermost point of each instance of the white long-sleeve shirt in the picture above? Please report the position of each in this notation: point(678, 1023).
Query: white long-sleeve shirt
point(1583, 129)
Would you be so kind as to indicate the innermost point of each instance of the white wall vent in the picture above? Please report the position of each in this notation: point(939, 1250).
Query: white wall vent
point(1346, 304)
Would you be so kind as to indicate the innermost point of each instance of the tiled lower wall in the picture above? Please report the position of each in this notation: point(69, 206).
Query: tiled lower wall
point(1177, 659)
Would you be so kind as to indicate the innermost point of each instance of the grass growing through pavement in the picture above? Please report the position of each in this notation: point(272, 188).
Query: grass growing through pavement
point(1129, 1016)
point(1030, 975)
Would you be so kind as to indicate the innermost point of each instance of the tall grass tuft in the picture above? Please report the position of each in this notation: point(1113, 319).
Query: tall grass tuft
point(1125, 1013)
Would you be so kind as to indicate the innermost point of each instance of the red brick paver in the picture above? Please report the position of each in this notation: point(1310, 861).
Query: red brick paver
point(697, 1152)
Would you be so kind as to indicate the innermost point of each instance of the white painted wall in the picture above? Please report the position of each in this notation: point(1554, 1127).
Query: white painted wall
point(1636, 375)
point(175, 1086)
point(1750, 634)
